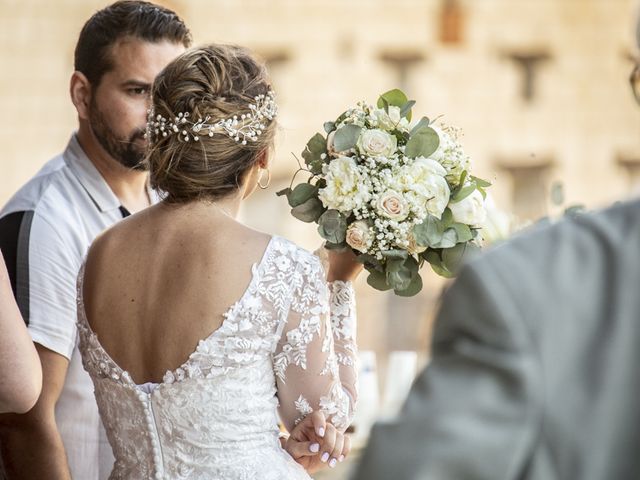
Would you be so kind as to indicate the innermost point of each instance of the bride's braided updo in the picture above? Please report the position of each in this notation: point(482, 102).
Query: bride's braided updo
point(216, 82)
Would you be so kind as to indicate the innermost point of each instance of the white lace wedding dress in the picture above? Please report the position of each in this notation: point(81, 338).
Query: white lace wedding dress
point(288, 344)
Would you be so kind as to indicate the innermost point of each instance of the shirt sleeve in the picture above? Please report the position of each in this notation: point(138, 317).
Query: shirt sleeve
point(53, 268)
point(316, 358)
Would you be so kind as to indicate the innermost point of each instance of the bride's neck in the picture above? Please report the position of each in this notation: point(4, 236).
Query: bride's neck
point(226, 207)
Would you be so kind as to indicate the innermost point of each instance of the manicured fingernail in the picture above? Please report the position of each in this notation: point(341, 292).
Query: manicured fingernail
point(341, 458)
point(325, 457)
point(321, 432)
point(314, 447)
point(332, 463)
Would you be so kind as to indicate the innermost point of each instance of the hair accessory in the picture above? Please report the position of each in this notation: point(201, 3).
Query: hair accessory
point(247, 127)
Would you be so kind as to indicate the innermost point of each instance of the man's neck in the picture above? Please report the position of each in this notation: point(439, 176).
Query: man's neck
point(130, 186)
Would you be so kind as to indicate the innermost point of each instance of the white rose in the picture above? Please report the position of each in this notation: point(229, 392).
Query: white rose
point(359, 236)
point(344, 191)
point(413, 247)
point(392, 205)
point(451, 156)
point(470, 210)
point(377, 143)
point(426, 178)
point(387, 121)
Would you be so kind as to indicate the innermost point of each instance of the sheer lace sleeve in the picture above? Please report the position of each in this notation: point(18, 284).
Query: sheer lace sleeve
point(316, 357)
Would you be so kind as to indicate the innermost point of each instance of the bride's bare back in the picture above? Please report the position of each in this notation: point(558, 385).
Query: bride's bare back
point(161, 280)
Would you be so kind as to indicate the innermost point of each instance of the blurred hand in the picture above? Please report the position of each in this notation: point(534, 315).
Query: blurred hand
point(343, 265)
point(314, 443)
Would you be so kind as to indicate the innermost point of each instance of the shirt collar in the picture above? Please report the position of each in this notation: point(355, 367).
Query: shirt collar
point(91, 179)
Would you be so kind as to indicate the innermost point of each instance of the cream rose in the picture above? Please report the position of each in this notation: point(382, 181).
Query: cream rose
point(470, 210)
point(377, 143)
point(392, 205)
point(387, 120)
point(358, 236)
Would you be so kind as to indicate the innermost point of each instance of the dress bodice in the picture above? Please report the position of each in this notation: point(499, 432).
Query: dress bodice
point(216, 415)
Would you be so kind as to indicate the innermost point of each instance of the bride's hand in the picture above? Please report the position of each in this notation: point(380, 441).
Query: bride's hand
point(343, 265)
point(314, 443)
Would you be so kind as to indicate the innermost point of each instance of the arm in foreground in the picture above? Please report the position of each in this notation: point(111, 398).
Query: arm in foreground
point(474, 412)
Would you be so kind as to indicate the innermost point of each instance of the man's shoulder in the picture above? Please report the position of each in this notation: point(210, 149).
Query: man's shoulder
point(37, 189)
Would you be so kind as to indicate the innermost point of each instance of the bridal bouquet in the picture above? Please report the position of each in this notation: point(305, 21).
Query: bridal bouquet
point(398, 193)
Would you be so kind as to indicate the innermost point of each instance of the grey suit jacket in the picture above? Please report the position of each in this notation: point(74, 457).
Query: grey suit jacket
point(535, 370)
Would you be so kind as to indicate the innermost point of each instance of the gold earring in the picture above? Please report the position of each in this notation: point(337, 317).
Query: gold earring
point(264, 187)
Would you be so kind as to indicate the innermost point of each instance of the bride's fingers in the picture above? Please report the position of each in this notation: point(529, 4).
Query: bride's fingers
point(302, 449)
point(346, 448)
point(337, 450)
point(329, 443)
point(319, 423)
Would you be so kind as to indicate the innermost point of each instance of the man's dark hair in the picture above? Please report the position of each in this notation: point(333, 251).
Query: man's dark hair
point(126, 18)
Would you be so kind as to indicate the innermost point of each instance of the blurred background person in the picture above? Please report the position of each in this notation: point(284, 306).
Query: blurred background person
point(20, 371)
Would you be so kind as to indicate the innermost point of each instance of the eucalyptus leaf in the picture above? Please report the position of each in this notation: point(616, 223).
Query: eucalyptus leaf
point(329, 127)
point(346, 137)
point(463, 232)
point(370, 262)
point(423, 143)
point(394, 97)
point(313, 151)
point(447, 218)
point(413, 289)
point(448, 240)
point(429, 232)
point(332, 226)
point(301, 193)
point(395, 265)
point(399, 279)
point(424, 122)
point(453, 258)
point(395, 254)
point(480, 182)
point(435, 261)
point(405, 111)
point(310, 211)
point(378, 280)
point(463, 193)
point(284, 191)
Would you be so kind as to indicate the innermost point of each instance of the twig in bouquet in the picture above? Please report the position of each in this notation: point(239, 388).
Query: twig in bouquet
point(300, 169)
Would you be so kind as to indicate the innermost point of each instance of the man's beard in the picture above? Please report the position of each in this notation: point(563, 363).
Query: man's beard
point(125, 152)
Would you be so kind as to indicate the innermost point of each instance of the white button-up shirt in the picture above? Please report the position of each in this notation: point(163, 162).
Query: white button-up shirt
point(45, 231)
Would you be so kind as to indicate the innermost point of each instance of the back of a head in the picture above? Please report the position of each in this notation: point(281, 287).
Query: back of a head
point(216, 85)
point(125, 18)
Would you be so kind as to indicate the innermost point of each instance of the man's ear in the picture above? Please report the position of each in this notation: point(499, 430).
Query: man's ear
point(80, 90)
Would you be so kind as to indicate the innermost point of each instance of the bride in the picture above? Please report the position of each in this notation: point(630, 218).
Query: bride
point(197, 330)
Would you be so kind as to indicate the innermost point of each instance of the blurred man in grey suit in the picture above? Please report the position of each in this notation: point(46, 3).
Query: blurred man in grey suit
point(535, 370)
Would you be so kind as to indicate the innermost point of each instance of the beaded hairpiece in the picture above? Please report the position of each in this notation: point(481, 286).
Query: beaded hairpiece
point(248, 126)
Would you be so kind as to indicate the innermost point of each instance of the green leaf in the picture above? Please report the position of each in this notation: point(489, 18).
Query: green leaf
point(463, 177)
point(463, 232)
point(394, 265)
point(405, 111)
point(313, 151)
point(378, 280)
point(332, 226)
point(413, 289)
point(385, 104)
point(284, 191)
point(370, 262)
point(393, 97)
point(329, 127)
point(395, 254)
point(422, 143)
point(346, 137)
point(301, 193)
point(447, 218)
point(480, 182)
point(399, 279)
point(448, 240)
point(463, 193)
point(309, 211)
point(424, 122)
point(429, 232)
point(453, 258)
point(435, 261)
